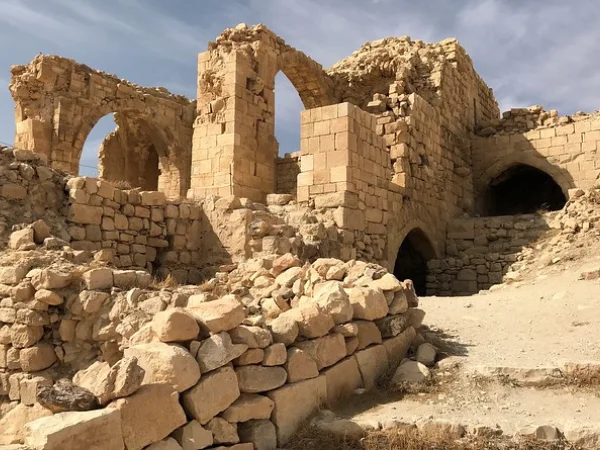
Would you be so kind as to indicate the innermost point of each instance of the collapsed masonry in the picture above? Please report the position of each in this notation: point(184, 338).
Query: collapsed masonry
point(237, 361)
point(397, 142)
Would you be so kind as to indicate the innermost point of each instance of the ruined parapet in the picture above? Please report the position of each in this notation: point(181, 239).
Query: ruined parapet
point(235, 149)
point(58, 102)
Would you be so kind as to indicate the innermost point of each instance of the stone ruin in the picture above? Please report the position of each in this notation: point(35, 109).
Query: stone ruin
point(237, 289)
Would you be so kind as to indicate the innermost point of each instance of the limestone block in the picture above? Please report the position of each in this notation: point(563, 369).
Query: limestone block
point(166, 444)
point(216, 351)
point(391, 326)
point(253, 337)
point(193, 436)
point(219, 315)
point(99, 429)
point(262, 433)
point(153, 198)
point(256, 379)
point(275, 355)
point(349, 329)
point(388, 282)
point(23, 336)
point(398, 346)
point(300, 366)
point(175, 325)
point(289, 276)
point(49, 279)
point(312, 321)
point(372, 363)
point(399, 303)
point(284, 329)
point(342, 380)
point(166, 363)
point(13, 422)
point(38, 357)
point(368, 302)
point(294, 403)
point(249, 407)
point(109, 383)
point(223, 431)
point(251, 356)
point(13, 192)
point(213, 394)
point(49, 297)
point(426, 354)
point(411, 372)
point(325, 351)
point(142, 421)
point(13, 274)
point(333, 299)
point(85, 214)
point(368, 334)
point(21, 238)
point(101, 278)
point(88, 302)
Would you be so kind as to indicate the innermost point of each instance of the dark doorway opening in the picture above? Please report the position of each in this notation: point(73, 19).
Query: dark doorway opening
point(411, 262)
point(522, 189)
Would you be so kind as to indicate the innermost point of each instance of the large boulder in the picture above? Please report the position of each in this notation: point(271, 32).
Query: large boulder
point(166, 363)
point(333, 299)
point(12, 424)
point(175, 325)
point(66, 396)
point(213, 394)
point(294, 403)
point(149, 415)
point(312, 321)
point(368, 302)
point(219, 315)
point(109, 383)
point(99, 430)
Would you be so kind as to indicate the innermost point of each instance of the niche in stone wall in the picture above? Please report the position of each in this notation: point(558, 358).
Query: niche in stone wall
point(411, 263)
point(521, 189)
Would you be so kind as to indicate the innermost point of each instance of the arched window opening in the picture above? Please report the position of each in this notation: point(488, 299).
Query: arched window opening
point(89, 160)
point(123, 150)
point(522, 189)
point(411, 263)
point(288, 107)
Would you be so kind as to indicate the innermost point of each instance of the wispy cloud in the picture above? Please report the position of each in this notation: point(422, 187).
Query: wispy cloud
point(528, 53)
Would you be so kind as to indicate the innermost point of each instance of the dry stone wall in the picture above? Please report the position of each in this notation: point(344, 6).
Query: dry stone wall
point(288, 169)
point(481, 251)
point(242, 360)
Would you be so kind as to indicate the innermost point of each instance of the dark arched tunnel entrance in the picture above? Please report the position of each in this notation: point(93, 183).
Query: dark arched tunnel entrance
point(411, 262)
point(522, 189)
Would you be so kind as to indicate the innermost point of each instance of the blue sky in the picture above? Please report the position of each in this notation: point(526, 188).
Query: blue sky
point(530, 52)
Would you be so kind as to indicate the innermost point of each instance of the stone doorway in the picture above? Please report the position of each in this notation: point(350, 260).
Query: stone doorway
point(411, 263)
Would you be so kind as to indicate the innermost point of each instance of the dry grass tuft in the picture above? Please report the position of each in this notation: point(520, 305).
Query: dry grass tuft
point(582, 375)
point(123, 185)
point(167, 283)
point(311, 438)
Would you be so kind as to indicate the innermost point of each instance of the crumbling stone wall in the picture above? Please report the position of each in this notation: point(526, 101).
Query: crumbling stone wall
point(563, 147)
point(481, 251)
point(288, 168)
point(234, 147)
point(58, 102)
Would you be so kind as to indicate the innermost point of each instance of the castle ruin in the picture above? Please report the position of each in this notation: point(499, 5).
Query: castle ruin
point(403, 148)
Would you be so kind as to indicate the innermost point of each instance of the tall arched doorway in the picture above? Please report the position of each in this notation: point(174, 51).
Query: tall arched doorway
point(521, 189)
point(411, 263)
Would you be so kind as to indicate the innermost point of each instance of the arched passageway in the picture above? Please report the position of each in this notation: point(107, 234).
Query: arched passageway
point(411, 263)
point(522, 189)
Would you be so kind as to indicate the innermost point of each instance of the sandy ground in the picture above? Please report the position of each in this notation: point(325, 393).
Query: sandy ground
point(545, 323)
point(550, 321)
